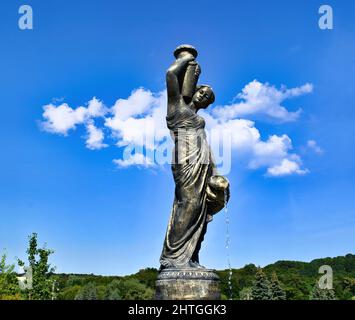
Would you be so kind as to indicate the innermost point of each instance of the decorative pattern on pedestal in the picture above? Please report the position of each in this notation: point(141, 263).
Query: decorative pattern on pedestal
point(187, 284)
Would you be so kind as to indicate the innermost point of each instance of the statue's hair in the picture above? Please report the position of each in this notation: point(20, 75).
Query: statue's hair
point(212, 97)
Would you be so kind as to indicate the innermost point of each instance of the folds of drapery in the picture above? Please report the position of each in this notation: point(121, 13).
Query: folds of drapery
point(192, 167)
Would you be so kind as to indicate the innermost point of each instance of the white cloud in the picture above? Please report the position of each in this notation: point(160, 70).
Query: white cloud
point(246, 141)
point(312, 144)
point(96, 108)
point(95, 137)
point(60, 119)
point(286, 167)
point(139, 102)
point(139, 120)
point(263, 100)
point(244, 135)
point(270, 152)
point(136, 159)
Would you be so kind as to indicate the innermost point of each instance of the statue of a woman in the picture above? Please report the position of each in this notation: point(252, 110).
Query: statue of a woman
point(199, 191)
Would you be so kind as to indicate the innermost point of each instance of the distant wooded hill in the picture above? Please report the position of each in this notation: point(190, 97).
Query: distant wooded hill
point(297, 280)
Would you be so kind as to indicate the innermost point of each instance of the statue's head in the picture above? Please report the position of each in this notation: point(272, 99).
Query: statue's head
point(203, 97)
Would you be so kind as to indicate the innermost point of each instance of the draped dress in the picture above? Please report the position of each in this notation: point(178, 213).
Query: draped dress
point(192, 166)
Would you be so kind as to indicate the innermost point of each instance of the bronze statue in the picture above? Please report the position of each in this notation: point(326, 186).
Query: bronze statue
point(199, 191)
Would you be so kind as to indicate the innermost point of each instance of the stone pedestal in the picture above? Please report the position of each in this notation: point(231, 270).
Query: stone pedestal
point(187, 284)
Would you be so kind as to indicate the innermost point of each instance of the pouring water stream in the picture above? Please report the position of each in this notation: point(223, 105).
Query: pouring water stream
point(227, 246)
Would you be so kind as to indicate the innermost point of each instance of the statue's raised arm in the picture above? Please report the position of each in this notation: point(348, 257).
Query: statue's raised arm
point(180, 84)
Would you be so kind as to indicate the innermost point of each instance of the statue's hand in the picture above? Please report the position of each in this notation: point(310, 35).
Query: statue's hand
point(187, 57)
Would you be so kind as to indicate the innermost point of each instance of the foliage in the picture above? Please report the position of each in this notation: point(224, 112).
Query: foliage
point(69, 293)
point(245, 294)
point(9, 288)
point(126, 289)
point(277, 293)
point(132, 289)
point(74, 280)
point(113, 291)
point(261, 287)
point(298, 278)
point(41, 288)
point(88, 292)
point(348, 284)
point(292, 279)
point(322, 294)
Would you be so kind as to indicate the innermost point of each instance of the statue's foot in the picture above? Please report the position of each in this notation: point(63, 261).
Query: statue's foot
point(188, 265)
point(165, 264)
point(194, 264)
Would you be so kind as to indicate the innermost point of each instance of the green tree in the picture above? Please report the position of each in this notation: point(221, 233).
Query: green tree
point(322, 294)
point(41, 270)
point(277, 293)
point(88, 292)
point(74, 280)
point(132, 289)
point(9, 288)
point(261, 287)
point(69, 293)
point(349, 285)
point(113, 291)
point(246, 293)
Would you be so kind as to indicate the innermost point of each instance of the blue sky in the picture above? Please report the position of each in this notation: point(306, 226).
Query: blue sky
point(100, 218)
